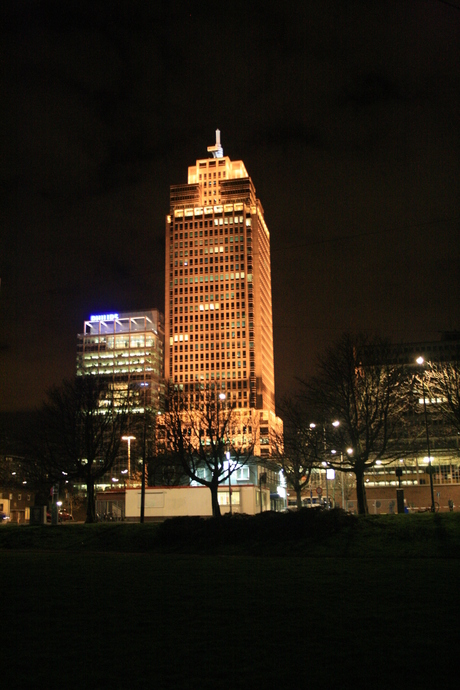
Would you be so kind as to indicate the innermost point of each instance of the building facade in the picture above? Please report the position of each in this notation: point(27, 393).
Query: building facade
point(430, 448)
point(125, 349)
point(444, 350)
point(15, 504)
point(218, 305)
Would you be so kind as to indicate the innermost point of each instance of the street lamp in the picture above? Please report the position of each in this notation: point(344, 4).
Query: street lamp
point(420, 361)
point(349, 452)
point(335, 423)
point(129, 439)
point(222, 398)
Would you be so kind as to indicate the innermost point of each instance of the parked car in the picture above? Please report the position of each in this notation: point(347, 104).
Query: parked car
point(64, 516)
point(318, 502)
point(4, 518)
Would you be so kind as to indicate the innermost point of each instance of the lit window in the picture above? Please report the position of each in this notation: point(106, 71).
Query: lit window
point(224, 498)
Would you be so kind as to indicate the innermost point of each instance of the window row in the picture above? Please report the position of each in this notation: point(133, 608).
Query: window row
point(219, 241)
point(211, 298)
point(211, 376)
point(206, 367)
point(206, 312)
point(213, 285)
point(189, 261)
point(210, 356)
point(222, 173)
point(210, 225)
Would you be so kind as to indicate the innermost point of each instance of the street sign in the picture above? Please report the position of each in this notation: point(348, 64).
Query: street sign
point(319, 490)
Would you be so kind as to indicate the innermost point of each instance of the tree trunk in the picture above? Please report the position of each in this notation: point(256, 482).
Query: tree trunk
point(299, 497)
point(214, 500)
point(361, 491)
point(90, 499)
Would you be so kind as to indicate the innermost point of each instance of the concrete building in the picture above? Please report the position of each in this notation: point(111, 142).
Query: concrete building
point(218, 312)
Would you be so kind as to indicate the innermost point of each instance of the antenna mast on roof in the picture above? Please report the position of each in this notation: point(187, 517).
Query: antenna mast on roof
point(216, 150)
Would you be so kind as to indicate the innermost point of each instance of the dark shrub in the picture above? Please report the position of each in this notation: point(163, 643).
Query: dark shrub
point(267, 527)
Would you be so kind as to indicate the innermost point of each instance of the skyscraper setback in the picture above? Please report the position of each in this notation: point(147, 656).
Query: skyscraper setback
point(218, 312)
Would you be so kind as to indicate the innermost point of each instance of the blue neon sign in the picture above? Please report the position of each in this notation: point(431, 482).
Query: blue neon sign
point(103, 317)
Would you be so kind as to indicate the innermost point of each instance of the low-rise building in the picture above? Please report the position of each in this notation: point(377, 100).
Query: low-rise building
point(173, 501)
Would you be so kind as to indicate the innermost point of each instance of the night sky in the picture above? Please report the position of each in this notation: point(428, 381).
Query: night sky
point(345, 113)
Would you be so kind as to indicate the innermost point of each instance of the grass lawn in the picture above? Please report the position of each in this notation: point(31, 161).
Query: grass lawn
point(119, 620)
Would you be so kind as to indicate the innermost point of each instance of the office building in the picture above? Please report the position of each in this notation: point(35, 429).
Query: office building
point(125, 349)
point(218, 313)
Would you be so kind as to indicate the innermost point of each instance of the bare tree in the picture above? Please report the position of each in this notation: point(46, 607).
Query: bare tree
point(296, 452)
point(442, 383)
point(78, 434)
point(211, 440)
point(165, 469)
point(358, 386)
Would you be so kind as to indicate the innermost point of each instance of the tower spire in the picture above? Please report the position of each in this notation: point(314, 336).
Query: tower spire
point(216, 150)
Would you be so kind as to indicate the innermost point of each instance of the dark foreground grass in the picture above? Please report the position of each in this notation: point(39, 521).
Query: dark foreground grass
point(304, 533)
point(120, 620)
point(274, 601)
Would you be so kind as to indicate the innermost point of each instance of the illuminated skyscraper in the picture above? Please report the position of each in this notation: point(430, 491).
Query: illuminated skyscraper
point(218, 315)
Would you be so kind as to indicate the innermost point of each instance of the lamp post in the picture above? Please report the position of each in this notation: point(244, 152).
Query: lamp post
point(144, 442)
point(129, 439)
point(349, 453)
point(420, 361)
point(262, 480)
point(143, 472)
point(335, 424)
point(222, 398)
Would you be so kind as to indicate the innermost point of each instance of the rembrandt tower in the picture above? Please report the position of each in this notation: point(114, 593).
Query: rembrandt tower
point(218, 316)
